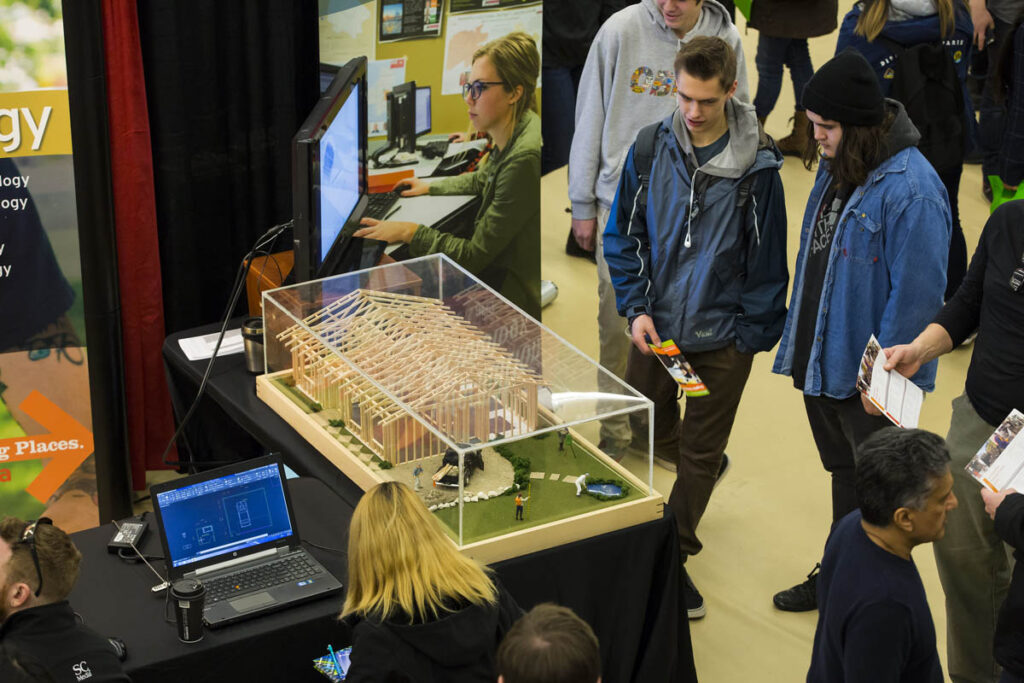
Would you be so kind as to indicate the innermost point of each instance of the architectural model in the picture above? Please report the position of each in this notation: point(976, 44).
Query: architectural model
point(432, 360)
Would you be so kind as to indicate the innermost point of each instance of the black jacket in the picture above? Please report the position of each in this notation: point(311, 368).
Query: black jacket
point(49, 641)
point(1009, 640)
point(794, 18)
point(459, 647)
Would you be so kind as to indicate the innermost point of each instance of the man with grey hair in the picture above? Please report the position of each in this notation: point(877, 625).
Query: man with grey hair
point(874, 623)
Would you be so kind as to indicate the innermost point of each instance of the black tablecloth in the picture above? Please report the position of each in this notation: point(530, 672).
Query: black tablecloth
point(624, 583)
point(232, 423)
point(114, 598)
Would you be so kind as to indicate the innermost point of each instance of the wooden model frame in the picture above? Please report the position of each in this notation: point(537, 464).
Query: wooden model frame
point(456, 378)
point(456, 375)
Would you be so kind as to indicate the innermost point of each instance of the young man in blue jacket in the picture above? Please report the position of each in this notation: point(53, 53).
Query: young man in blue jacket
point(872, 260)
point(701, 261)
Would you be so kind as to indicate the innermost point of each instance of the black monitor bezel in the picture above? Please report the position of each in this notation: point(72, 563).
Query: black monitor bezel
point(310, 263)
point(430, 115)
point(291, 541)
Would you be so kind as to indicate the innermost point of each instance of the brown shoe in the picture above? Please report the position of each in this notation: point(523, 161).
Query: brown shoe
point(795, 143)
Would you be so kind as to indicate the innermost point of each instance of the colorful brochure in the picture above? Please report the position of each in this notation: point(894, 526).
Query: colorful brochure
point(999, 464)
point(682, 372)
point(897, 397)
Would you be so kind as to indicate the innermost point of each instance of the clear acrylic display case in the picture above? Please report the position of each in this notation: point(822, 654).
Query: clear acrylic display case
point(418, 372)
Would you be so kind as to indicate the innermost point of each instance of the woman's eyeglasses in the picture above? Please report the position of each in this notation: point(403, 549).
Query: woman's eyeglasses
point(476, 88)
point(28, 537)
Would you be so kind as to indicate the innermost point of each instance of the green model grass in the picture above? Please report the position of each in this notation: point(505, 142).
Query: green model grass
point(549, 500)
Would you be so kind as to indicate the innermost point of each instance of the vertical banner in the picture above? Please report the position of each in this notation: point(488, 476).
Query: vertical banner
point(46, 445)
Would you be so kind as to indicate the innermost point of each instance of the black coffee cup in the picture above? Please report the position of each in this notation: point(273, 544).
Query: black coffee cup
point(188, 596)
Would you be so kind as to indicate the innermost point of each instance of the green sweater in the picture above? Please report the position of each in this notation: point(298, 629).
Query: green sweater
point(504, 250)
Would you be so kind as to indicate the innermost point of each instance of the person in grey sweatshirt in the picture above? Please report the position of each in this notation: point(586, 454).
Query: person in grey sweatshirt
point(627, 83)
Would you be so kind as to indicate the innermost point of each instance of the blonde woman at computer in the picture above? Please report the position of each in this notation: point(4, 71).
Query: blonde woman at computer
point(418, 609)
point(504, 250)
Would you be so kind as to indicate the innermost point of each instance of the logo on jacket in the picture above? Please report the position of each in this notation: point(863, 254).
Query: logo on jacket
point(81, 671)
point(889, 74)
point(645, 81)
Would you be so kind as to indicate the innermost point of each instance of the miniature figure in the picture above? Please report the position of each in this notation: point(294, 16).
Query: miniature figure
point(581, 481)
point(416, 475)
point(519, 505)
point(563, 434)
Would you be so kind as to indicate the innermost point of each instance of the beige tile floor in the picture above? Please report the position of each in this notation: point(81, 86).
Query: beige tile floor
point(766, 524)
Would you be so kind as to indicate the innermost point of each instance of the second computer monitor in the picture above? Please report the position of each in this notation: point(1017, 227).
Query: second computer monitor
point(422, 110)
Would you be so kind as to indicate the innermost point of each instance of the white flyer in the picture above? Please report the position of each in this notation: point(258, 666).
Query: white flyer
point(897, 397)
point(999, 463)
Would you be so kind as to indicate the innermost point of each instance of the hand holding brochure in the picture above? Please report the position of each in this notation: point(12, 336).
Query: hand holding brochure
point(682, 372)
point(999, 464)
point(897, 397)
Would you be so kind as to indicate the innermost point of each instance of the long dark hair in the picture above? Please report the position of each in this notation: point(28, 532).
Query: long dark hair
point(860, 151)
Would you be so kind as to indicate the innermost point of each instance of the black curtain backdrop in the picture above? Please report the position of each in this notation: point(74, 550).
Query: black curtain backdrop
point(227, 83)
point(87, 97)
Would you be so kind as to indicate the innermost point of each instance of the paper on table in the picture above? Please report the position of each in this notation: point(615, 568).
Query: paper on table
point(999, 463)
point(201, 347)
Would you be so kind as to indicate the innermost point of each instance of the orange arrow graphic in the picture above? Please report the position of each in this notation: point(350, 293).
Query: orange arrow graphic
point(67, 445)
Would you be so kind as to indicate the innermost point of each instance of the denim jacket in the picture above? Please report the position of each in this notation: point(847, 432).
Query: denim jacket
point(886, 273)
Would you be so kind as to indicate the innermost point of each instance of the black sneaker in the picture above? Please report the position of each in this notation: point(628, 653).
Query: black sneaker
point(802, 597)
point(691, 596)
point(722, 469)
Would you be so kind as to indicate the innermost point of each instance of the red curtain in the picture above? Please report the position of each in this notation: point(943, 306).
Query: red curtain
point(142, 320)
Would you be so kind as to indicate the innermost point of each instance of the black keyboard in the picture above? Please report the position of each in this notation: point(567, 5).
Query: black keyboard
point(378, 205)
point(294, 567)
point(435, 148)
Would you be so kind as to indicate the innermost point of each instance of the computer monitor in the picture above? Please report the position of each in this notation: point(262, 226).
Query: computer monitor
point(402, 117)
point(329, 174)
point(327, 74)
point(422, 111)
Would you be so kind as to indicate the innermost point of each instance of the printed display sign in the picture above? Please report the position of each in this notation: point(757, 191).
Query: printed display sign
point(406, 19)
point(46, 443)
point(457, 6)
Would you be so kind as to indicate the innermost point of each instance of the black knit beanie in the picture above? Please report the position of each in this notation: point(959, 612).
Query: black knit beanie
point(845, 89)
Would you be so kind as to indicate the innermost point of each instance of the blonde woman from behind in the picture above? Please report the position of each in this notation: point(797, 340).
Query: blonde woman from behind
point(419, 610)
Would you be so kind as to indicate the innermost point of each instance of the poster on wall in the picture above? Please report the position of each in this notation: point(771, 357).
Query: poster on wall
point(382, 75)
point(467, 32)
point(347, 30)
point(456, 6)
point(47, 465)
point(408, 19)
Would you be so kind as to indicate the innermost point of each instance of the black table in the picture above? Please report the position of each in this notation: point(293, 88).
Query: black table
point(635, 612)
point(232, 423)
point(624, 583)
point(114, 598)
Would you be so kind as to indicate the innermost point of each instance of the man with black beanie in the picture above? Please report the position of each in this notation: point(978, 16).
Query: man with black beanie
point(872, 260)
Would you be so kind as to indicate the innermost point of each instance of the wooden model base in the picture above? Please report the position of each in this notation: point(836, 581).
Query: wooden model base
point(638, 507)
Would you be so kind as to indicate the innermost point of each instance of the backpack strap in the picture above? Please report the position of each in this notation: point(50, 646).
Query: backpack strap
point(643, 159)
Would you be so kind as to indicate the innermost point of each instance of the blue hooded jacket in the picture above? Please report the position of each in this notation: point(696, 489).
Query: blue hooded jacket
point(708, 269)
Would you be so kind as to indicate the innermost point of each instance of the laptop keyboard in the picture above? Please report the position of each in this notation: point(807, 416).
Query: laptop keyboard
point(295, 567)
point(378, 204)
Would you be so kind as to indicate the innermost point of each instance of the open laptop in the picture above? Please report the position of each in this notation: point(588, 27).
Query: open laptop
point(233, 529)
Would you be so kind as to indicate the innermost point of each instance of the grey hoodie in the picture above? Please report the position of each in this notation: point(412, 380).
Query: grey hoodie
point(628, 83)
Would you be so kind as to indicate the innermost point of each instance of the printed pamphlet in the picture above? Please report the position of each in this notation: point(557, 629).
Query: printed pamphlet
point(897, 397)
point(999, 464)
point(682, 372)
